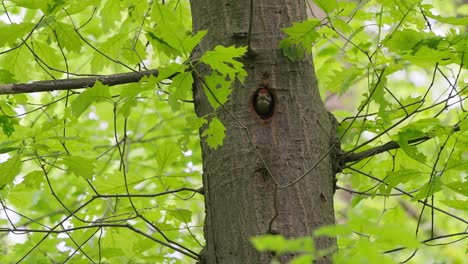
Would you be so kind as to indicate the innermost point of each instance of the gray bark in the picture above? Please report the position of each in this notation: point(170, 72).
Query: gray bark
point(241, 198)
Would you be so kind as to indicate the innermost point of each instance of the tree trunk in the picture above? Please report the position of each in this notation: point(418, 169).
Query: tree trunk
point(242, 199)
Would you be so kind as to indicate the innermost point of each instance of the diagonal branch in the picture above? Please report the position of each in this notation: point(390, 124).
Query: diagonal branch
point(355, 157)
point(78, 83)
point(350, 157)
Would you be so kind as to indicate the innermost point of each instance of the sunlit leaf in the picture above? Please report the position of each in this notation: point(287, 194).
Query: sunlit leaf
point(97, 93)
point(214, 133)
point(33, 179)
point(9, 170)
point(180, 88)
point(281, 245)
point(9, 34)
point(80, 166)
point(428, 189)
point(402, 176)
point(457, 204)
point(300, 38)
point(8, 125)
point(217, 89)
point(333, 231)
point(68, 37)
point(326, 5)
point(166, 154)
point(223, 60)
point(184, 216)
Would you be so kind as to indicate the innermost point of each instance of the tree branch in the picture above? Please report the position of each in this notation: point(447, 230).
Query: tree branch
point(352, 156)
point(78, 83)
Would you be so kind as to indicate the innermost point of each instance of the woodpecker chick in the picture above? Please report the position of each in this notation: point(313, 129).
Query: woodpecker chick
point(263, 103)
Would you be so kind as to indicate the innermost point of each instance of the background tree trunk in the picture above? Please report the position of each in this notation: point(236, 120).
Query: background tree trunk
point(241, 198)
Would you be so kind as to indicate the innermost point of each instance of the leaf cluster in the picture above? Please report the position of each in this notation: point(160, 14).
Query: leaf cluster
point(105, 174)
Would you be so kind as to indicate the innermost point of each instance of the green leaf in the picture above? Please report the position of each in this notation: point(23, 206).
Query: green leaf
point(47, 125)
point(113, 47)
point(126, 108)
point(9, 170)
point(10, 33)
point(78, 6)
point(18, 62)
point(8, 125)
point(394, 234)
point(68, 37)
point(363, 251)
point(33, 179)
point(191, 42)
point(281, 245)
point(340, 81)
point(48, 54)
point(418, 129)
point(464, 125)
point(326, 5)
point(303, 259)
point(300, 38)
point(222, 59)
point(462, 21)
point(378, 96)
point(166, 154)
point(457, 204)
point(183, 215)
point(342, 25)
point(333, 231)
point(460, 187)
point(180, 89)
point(193, 124)
point(7, 108)
point(412, 151)
point(80, 166)
point(426, 56)
point(428, 189)
point(290, 50)
point(160, 45)
point(6, 77)
point(404, 40)
point(357, 199)
point(31, 4)
point(97, 93)
point(218, 89)
point(425, 48)
point(110, 14)
point(402, 176)
point(171, 33)
point(424, 125)
point(8, 149)
point(170, 70)
point(214, 133)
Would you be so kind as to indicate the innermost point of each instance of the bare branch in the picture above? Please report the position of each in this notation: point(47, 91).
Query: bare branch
point(464, 234)
point(350, 157)
point(79, 83)
point(356, 157)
